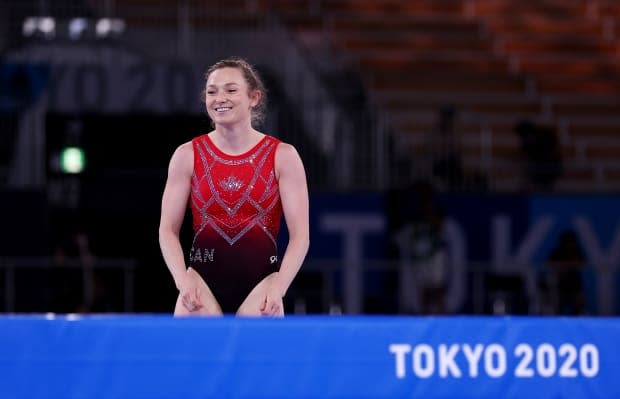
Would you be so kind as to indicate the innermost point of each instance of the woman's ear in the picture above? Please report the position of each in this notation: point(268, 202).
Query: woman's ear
point(255, 97)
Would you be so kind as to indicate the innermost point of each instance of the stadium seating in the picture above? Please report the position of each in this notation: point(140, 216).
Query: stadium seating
point(498, 61)
point(553, 62)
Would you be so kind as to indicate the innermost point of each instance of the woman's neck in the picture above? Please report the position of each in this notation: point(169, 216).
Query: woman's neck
point(235, 141)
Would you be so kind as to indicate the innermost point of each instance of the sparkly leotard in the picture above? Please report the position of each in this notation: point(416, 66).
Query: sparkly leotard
point(236, 213)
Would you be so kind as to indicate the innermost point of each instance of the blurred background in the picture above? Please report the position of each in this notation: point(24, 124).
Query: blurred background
point(463, 156)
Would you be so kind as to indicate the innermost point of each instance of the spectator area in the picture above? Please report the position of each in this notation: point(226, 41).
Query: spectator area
point(553, 62)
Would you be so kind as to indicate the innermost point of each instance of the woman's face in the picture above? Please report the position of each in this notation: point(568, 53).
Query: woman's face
point(227, 97)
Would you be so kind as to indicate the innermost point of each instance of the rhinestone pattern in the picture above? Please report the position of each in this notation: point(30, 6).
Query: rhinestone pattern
point(231, 195)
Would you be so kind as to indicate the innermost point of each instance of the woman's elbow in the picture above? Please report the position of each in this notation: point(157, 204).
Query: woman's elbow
point(304, 242)
point(166, 233)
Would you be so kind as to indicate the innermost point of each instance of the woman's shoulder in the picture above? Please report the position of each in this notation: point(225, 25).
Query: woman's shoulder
point(285, 149)
point(183, 156)
point(186, 148)
point(286, 154)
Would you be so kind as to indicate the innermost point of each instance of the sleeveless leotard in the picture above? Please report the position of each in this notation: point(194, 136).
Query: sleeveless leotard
point(236, 213)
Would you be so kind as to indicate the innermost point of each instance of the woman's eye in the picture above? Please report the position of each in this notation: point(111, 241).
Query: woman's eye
point(232, 90)
point(211, 92)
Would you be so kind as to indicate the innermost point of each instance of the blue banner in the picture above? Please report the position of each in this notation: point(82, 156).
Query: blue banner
point(308, 357)
point(500, 233)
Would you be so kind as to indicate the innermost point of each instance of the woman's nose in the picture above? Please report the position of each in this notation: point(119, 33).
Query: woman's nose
point(220, 97)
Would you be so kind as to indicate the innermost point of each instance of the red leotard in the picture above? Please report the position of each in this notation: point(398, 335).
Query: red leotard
point(236, 213)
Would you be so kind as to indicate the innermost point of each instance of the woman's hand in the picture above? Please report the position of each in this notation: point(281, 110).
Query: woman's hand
point(190, 294)
point(272, 304)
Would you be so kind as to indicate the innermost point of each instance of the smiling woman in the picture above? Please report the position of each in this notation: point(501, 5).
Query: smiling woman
point(226, 74)
point(238, 182)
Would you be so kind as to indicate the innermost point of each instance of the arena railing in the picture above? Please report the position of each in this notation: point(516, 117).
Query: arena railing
point(14, 265)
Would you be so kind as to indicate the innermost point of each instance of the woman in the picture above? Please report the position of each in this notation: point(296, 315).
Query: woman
point(239, 182)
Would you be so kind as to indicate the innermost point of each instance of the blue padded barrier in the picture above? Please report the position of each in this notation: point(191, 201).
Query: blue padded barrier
point(308, 357)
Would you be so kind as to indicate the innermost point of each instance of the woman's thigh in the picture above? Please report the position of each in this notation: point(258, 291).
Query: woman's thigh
point(255, 300)
point(210, 307)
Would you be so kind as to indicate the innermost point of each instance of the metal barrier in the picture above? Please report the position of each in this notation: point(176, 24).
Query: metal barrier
point(477, 288)
point(11, 265)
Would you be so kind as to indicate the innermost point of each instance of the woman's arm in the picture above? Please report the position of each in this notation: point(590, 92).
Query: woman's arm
point(173, 208)
point(294, 197)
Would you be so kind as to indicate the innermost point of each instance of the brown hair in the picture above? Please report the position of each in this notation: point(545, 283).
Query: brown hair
point(251, 78)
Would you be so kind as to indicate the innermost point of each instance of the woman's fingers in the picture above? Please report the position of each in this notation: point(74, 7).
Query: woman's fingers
point(270, 308)
point(191, 300)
